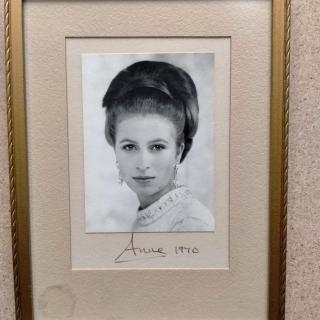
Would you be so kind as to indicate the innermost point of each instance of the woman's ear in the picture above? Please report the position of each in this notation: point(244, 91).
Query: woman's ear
point(180, 151)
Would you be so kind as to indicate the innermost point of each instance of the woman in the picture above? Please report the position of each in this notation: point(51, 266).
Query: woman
point(151, 119)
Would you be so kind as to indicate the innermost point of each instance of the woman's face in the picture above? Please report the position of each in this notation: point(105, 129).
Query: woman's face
point(146, 152)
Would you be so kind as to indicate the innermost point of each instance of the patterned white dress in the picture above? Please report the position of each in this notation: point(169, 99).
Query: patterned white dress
point(176, 211)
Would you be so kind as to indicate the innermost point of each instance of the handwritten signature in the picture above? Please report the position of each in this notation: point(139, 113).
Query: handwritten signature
point(132, 252)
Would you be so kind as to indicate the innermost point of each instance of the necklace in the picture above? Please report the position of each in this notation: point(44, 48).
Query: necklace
point(157, 209)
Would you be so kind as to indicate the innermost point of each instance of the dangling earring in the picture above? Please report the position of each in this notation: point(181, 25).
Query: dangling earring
point(120, 179)
point(175, 174)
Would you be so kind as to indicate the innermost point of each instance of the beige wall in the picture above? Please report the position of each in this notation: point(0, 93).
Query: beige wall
point(303, 282)
point(303, 269)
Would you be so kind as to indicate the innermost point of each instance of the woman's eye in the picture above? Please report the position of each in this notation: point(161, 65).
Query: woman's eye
point(129, 147)
point(157, 147)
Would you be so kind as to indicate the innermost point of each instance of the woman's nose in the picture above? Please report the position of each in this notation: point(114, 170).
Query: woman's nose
point(143, 161)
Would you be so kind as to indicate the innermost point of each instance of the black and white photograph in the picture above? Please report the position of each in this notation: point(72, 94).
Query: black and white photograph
point(148, 125)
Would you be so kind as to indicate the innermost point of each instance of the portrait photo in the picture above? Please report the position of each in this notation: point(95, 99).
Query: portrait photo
point(148, 130)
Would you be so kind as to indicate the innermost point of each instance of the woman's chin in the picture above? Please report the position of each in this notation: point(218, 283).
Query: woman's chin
point(150, 194)
point(145, 191)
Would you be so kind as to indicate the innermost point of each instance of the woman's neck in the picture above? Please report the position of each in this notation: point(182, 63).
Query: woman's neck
point(146, 201)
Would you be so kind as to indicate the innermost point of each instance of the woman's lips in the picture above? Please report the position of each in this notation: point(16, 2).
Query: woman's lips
point(143, 179)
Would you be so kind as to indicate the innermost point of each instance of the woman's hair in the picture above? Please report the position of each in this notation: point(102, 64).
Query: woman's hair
point(151, 87)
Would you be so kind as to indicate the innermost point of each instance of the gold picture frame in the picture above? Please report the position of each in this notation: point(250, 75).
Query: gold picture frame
point(18, 165)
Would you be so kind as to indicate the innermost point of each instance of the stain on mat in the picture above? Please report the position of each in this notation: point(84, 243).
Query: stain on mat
point(57, 302)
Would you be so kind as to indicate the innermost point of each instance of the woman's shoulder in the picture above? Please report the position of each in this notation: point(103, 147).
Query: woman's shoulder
point(194, 216)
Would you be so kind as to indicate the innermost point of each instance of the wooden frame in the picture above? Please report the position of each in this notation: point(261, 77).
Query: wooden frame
point(15, 86)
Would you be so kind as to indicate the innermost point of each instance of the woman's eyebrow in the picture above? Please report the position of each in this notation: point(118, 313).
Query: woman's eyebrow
point(126, 140)
point(159, 140)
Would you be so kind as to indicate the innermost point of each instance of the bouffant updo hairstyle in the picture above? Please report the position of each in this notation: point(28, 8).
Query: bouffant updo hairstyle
point(151, 87)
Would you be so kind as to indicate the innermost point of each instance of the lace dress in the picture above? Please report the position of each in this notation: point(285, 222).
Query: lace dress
point(176, 211)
